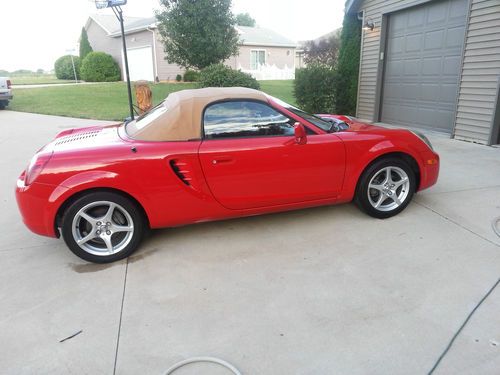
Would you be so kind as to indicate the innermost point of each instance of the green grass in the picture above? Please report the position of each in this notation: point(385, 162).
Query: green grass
point(281, 89)
point(108, 101)
point(37, 80)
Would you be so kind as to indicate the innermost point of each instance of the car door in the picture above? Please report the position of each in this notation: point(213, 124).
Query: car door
point(250, 157)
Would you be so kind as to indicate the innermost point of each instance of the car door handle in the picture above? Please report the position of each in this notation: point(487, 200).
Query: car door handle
point(221, 160)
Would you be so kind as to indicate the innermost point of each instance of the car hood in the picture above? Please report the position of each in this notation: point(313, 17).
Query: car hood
point(361, 126)
point(86, 138)
point(354, 125)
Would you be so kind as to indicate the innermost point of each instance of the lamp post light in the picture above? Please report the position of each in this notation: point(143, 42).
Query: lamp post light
point(70, 52)
point(115, 5)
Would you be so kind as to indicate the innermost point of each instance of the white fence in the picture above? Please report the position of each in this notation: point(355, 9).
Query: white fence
point(270, 72)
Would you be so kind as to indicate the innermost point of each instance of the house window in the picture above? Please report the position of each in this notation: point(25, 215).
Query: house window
point(257, 59)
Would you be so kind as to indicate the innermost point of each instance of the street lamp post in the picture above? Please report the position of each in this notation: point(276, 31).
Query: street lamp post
point(71, 51)
point(115, 5)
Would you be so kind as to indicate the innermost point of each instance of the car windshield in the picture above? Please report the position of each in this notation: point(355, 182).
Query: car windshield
point(315, 120)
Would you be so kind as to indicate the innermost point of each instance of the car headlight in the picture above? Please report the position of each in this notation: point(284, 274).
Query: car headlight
point(423, 138)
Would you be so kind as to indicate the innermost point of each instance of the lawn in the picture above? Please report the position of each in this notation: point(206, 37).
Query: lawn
point(108, 101)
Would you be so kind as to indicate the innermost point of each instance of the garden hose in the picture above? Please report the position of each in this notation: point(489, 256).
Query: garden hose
point(203, 359)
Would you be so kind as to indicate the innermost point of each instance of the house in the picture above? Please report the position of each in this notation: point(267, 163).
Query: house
point(433, 64)
point(262, 52)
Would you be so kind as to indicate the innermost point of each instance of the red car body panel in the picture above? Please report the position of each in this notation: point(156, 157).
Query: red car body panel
point(184, 182)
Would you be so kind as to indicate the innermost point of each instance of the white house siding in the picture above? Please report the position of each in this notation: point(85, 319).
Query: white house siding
point(166, 71)
point(101, 42)
point(480, 72)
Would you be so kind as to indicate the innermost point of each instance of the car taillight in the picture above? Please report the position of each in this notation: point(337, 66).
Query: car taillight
point(9, 84)
point(36, 167)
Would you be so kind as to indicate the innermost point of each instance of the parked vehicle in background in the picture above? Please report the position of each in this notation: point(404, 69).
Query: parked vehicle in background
point(5, 92)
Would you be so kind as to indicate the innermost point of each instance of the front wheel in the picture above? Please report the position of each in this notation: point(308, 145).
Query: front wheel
point(386, 188)
point(103, 227)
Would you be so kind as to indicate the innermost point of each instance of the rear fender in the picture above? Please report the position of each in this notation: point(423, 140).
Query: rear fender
point(95, 180)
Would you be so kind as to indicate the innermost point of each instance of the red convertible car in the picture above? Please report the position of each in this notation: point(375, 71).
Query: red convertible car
point(209, 154)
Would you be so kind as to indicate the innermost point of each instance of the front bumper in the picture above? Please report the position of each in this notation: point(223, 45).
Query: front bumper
point(430, 170)
point(36, 209)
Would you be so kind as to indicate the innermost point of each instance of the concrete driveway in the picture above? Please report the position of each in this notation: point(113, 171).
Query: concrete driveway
point(318, 291)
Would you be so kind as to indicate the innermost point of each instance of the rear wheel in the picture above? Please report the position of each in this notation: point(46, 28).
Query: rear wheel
point(3, 104)
point(386, 188)
point(103, 227)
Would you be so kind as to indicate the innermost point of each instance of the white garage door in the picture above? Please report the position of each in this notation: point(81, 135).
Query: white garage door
point(422, 67)
point(140, 64)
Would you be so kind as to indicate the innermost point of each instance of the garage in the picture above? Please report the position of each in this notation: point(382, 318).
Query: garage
point(422, 65)
point(140, 61)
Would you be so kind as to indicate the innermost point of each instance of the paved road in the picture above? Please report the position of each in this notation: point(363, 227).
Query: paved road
point(52, 85)
point(317, 291)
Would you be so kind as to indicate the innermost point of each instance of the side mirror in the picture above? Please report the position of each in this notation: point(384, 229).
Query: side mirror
point(300, 134)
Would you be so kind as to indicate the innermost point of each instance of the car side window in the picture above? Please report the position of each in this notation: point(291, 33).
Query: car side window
point(242, 119)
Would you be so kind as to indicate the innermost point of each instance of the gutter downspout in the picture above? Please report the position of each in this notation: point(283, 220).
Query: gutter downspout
point(154, 53)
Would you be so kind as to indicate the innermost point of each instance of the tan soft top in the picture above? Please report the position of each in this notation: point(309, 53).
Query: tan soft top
point(179, 116)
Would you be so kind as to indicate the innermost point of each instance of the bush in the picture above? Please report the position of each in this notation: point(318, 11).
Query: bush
point(100, 67)
point(178, 78)
point(219, 75)
point(348, 66)
point(64, 67)
point(191, 76)
point(314, 88)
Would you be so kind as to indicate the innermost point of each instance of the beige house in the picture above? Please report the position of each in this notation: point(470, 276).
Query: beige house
point(262, 52)
point(433, 64)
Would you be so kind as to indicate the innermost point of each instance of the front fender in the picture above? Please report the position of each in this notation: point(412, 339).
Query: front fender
point(361, 153)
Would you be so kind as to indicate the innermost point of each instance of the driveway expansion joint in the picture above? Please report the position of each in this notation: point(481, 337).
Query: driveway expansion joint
point(457, 224)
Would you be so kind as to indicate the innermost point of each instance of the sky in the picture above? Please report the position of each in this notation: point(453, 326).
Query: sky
point(35, 33)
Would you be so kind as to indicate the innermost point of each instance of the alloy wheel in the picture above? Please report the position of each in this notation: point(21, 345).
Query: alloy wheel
point(388, 188)
point(102, 228)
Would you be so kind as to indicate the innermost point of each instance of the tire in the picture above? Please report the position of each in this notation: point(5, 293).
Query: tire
point(381, 197)
point(3, 104)
point(103, 227)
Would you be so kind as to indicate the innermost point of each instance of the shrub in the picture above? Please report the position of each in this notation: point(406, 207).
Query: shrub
point(178, 78)
point(100, 67)
point(191, 76)
point(219, 75)
point(64, 67)
point(314, 88)
point(348, 66)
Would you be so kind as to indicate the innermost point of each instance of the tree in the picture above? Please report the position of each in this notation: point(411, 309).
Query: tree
point(348, 66)
point(85, 47)
point(244, 19)
point(322, 51)
point(197, 33)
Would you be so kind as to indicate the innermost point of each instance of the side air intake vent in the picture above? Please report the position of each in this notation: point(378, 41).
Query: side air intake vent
point(180, 168)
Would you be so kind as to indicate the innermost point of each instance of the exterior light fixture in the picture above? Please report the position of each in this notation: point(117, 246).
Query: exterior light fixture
point(368, 25)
